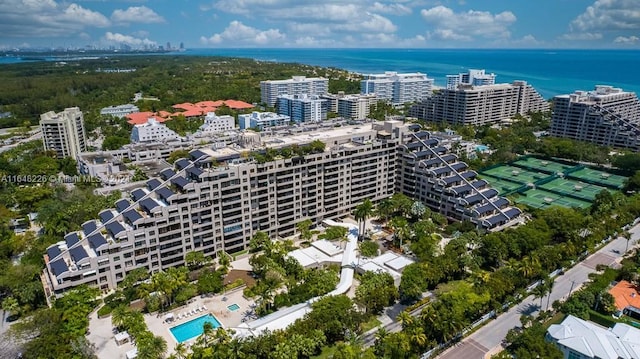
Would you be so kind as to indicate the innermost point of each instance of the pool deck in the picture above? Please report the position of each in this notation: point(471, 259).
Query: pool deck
point(101, 330)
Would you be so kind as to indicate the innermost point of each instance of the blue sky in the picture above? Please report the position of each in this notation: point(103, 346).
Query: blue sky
point(322, 23)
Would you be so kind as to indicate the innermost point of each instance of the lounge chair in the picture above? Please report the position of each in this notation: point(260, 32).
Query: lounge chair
point(204, 308)
point(197, 310)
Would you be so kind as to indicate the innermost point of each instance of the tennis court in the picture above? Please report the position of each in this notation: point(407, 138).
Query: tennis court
point(539, 165)
point(573, 188)
point(515, 174)
point(538, 198)
point(600, 177)
point(502, 186)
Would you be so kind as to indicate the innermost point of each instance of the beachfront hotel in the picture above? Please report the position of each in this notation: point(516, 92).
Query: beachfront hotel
point(397, 88)
point(217, 199)
point(606, 116)
point(480, 105)
point(297, 85)
point(63, 132)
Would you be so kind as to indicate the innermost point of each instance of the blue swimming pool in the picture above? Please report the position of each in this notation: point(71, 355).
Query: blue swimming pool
point(193, 328)
point(233, 307)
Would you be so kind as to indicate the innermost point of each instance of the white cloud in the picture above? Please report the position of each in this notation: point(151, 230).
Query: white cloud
point(136, 14)
point(238, 33)
point(605, 15)
point(392, 9)
point(627, 40)
point(465, 26)
point(126, 39)
point(582, 36)
point(46, 18)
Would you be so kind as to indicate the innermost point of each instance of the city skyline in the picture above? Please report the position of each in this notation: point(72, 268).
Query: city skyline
point(334, 23)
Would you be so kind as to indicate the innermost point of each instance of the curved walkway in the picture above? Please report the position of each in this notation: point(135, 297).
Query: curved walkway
point(286, 316)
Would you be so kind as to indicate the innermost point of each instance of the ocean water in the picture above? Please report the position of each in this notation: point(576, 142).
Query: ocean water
point(551, 72)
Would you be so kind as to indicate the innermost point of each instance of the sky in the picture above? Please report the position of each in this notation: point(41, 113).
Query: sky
point(321, 23)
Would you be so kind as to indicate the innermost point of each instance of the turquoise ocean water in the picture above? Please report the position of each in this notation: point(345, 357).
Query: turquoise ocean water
point(551, 72)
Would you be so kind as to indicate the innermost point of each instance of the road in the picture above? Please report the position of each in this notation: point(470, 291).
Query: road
point(488, 339)
point(369, 338)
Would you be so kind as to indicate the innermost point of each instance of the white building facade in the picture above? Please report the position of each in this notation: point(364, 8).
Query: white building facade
point(297, 85)
point(262, 120)
point(356, 107)
point(64, 132)
point(472, 77)
point(152, 131)
point(119, 111)
point(216, 124)
point(398, 88)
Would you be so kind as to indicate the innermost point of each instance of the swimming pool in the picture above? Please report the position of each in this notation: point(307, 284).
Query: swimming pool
point(233, 307)
point(193, 328)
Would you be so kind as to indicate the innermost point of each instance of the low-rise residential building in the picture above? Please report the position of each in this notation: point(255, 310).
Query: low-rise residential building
point(63, 132)
point(262, 120)
point(398, 88)
point(152, 131)
point(119, 111)
point(216, 124)
point(480, 105)
point(606, 116)
point(302, 108)
point(270, 90)
point(580, 339)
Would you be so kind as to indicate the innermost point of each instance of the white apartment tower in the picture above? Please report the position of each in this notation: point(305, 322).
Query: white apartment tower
point(606, 116)
point(472, 77)
point(152, 131)
point(64, 132)
point(356, 107)
point(480, 105)
point(297, 85)
point(398, 88)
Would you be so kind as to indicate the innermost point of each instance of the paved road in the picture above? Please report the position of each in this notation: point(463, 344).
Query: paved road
point(487, 340)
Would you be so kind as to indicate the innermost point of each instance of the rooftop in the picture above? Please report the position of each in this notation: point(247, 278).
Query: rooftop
point(625, 295)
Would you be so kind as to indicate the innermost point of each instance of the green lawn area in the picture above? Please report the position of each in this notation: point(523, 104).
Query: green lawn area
point(327, 352)
point(556, 319)
point(372, 323)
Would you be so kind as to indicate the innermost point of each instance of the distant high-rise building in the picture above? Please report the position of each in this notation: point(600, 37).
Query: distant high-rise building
point(607, 116)
point(297, 85)
point(480, 105)
point(397, 88)
point(168, 46)
point(182, 46)
point(63, 132)
point(472, 77)
point(302, 108)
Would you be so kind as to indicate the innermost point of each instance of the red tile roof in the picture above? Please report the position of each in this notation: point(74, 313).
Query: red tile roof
point(206, 104)
point(191, 113)
point(184, 106)
point(625, 295)
point(237, 105)
point(139, 118)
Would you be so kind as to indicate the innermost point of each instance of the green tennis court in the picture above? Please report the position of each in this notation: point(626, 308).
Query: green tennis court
point(538, 198)
point(503, 187)
point(515, 174)
point(600, 177)
point(539, 165)
point(573, 188)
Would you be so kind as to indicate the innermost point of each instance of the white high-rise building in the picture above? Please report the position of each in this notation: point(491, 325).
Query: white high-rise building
point(472, 77)
point(152, 131)
point(64, 132)
point(398, 88)
point(356, 107)
point(297, 85)
point(302, 108)
point(607, 116)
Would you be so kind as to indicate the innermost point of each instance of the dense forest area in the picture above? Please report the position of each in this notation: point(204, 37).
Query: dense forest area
point(30, 89)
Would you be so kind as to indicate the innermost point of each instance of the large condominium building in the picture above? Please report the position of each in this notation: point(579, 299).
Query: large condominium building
point(152, 131)
point(397, 88)
point(198, 206)
point(302, 108)
point(607, 116)
point(64, 133)
point(262, 120)
point(480, 105)
point(356, 107)
point(429, 173)
point(120, 110)
point(472, 77)
point(297, 85)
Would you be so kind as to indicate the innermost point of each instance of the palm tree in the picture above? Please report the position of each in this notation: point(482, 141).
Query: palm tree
point(626, 235)
point(207, 329)
point(400, 228)
point(405, 319)
point(418, 337)
point(118, 315)
point(384, 209)
point(539, 292)
point(549, 283)
point(180, 351)
point(381, 334)
point(361, 213)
